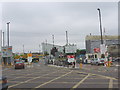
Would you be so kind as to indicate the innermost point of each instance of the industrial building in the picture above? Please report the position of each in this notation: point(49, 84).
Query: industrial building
point(71, 48)
point(46, 47)
point(94, 41)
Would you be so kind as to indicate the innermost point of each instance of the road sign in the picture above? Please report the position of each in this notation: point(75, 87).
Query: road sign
point(96, 50)
point(71, 58)
point(29, 57)
point(7, 51)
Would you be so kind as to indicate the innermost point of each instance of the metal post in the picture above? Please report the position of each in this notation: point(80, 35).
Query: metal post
point(100, 25)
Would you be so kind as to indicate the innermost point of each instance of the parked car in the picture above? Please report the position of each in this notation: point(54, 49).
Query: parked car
point(97, 61)
point(3, 81)
point(20, 65)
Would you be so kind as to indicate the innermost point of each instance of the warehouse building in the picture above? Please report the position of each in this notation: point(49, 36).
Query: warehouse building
point(94, 41)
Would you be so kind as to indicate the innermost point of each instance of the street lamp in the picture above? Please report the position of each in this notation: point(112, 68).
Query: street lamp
point(100, 25)
point(8, 33)
point(66, 38)
point(53, 39)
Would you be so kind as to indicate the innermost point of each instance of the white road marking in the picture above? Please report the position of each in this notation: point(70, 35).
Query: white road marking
point(53, 79)
point(111, 83)
point(31, 79)
point(75, 86)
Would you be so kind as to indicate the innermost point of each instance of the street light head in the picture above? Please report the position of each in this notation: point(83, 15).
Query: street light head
point(8, 22)
point(98, 9)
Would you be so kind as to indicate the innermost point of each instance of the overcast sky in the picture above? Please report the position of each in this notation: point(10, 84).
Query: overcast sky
point(33, 23)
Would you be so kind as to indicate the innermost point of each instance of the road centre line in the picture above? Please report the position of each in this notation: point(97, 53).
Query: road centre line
point(111, 83)
point(53, 79)
point(31, 79)
point(75, 86)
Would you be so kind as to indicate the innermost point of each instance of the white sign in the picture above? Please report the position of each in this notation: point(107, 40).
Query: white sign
point(70, 49)
point(29, 59)
point(71, 60)
point(103, 48)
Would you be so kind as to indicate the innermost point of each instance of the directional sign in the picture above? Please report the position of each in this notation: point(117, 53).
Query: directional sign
point(29, 57)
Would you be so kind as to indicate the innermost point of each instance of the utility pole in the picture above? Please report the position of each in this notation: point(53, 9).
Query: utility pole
point(66, 38)
point(100, 25)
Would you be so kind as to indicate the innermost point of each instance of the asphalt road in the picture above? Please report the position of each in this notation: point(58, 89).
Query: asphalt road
point(44, 76)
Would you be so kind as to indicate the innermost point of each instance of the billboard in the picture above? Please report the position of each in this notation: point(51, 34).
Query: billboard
point(70, 48)
point(7, 51)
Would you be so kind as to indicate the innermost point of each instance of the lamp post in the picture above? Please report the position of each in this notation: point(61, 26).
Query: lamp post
point(8, 33)
point(39, 48)
point(3, 39)
point(100, 25)
point(66, 38)
point(53, 39)
point(23, 49)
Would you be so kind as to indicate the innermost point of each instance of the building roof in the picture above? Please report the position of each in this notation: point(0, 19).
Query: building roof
point(97, 37)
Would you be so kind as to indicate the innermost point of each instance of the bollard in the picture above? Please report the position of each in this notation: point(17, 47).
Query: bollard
point(109, 64)
point(81, 65)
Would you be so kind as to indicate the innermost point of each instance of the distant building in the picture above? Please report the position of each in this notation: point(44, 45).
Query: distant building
point(46, 47)
point(94, 41)
point(71, 48)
